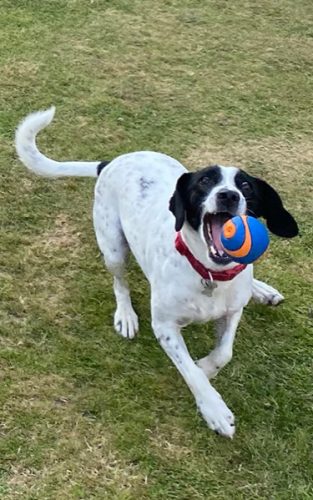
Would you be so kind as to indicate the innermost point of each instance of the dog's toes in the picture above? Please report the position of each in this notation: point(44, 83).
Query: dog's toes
point(225, 425)
point(126, 322)
point(266, 294)
point(272, 299)
point(218, 417)
point(275, 299)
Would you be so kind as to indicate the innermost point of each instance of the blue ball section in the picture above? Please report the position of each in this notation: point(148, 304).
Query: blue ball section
point(238, 239)
point(259, 239)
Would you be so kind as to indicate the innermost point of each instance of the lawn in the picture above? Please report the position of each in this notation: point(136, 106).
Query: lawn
point(85, 414)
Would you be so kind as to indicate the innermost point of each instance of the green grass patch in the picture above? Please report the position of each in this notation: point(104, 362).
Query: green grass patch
point(83, 413)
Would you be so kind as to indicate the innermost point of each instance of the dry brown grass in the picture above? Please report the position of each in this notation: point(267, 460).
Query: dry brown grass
point(286, 161)
point(285, 164)
point(61, 237)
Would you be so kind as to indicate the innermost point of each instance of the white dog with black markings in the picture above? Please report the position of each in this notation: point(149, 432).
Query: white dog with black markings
point(171, 220)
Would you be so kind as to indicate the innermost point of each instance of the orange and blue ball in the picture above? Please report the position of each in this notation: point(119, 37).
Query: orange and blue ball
point(244, 239)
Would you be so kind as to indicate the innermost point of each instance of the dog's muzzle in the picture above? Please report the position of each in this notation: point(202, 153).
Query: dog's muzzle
point(227, 201)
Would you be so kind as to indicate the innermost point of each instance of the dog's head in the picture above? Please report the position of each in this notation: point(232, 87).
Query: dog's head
point(204, 200)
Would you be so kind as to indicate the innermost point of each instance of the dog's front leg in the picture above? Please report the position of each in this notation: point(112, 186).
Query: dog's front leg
point(265, 294)
point(213, 409)
point(221, 355)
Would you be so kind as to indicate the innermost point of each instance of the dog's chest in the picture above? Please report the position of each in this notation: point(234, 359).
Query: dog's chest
point(202, 306)
point(193, 302)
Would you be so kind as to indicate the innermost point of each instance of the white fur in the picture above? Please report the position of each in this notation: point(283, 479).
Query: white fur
point(131, 213)
point(228, 182)
point(34, 160)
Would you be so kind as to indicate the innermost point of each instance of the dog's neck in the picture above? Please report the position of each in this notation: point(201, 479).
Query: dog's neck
point(199, 249)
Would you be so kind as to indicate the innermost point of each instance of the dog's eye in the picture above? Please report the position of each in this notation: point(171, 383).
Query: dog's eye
point(205, 181)
point(246, 189)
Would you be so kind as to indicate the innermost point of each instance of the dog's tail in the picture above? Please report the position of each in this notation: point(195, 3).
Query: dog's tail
point(25, 143)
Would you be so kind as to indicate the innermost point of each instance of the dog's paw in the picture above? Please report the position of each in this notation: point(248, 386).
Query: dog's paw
point(126, 321)
point(275, 299)
point(217, 415)
point(266, 294)
point(215, 361)
point(208, 366)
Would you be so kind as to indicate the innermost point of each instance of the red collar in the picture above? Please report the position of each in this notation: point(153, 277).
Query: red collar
point(206, 273)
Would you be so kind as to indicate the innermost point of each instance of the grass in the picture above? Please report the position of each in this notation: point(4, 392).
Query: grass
point(84, 414)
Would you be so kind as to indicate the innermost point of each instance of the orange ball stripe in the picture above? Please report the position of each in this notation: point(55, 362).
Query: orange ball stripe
point(229, 229)
point(246, 246)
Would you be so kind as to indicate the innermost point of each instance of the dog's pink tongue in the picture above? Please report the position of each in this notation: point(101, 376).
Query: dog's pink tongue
point(216, 231)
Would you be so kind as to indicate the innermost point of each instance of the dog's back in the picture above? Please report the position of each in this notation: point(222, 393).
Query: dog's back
point(132, 196)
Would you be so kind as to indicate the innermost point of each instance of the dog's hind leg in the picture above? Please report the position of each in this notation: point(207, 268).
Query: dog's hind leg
point(125, 318)
point(115, 250)
point(265, 294)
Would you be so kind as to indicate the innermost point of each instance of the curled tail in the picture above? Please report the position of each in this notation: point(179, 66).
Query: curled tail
point(25, 143)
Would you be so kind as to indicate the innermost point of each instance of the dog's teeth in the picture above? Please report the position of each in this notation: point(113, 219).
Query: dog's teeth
point(213, 250)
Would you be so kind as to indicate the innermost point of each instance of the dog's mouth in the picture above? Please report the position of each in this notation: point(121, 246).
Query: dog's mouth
point(212, 229)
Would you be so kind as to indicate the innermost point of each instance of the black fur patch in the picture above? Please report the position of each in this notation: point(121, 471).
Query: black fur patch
point(263, 201)
point(101, 166)
point(191, 190)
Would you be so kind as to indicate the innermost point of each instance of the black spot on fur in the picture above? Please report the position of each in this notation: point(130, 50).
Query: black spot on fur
point(191, 190)
point(145, 184)
point(263, 201)
point(101, 166)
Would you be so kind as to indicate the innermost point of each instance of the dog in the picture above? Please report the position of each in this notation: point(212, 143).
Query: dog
point(171, 219)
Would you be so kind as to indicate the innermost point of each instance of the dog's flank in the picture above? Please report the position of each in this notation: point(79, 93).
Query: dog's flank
point(131, 212)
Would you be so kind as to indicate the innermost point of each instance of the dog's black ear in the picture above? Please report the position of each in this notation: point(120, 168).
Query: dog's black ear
point(270, 206)
point(178, 201)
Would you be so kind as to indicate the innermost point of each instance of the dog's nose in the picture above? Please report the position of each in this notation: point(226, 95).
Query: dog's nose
point(228, 196)
point(227, 200)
